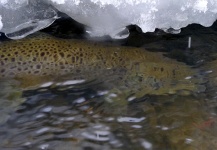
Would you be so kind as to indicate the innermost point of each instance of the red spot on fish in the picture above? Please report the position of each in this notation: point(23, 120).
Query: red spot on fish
point(206, 124)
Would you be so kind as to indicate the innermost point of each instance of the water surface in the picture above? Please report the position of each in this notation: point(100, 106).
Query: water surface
point(89, 116)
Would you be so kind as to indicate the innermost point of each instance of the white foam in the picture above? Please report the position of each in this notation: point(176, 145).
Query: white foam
point(44, 146)
point(94, 137)
point(136, 126)
point(80, 100)
point(147, 145)
point(47, 109)
point(188, 140)
point(130, 119)
point(72, 82)
point(42, 130)
point(47, 84)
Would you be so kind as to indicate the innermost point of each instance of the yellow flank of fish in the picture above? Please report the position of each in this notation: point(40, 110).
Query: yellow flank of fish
point(42, 55)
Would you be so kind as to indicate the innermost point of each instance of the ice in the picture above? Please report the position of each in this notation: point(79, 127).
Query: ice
point(58, 1)
point(14, 4)
point(23, 17)
point(1, 25)
point(106, 17)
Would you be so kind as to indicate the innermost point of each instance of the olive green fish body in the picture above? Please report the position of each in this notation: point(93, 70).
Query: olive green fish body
point(44, 56)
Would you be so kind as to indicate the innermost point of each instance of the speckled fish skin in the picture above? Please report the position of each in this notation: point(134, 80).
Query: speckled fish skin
point(43, 55)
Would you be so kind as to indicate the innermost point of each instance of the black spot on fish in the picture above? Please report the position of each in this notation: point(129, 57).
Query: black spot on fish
point(42, 54)
point(38, 66)
point(161, 69)
point(2, 70)
point(174, 72)
point(62, 54)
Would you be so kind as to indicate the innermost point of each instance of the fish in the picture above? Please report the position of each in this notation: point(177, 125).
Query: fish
point(42, 57)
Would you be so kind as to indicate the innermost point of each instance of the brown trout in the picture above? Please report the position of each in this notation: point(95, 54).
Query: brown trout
point(44, 57)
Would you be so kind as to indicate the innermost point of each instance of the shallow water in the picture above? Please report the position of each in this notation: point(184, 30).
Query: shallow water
point(89, 116)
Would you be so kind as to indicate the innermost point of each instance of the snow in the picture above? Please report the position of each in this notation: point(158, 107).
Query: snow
point(107, 17)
